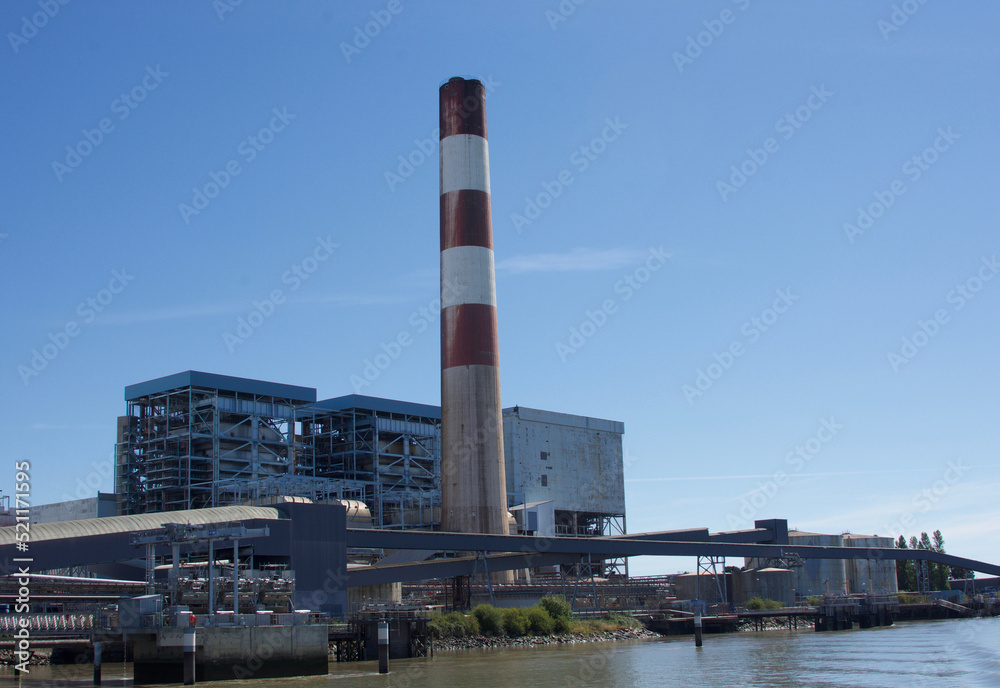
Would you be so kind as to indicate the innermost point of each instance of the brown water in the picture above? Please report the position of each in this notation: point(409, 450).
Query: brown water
point(918, 654)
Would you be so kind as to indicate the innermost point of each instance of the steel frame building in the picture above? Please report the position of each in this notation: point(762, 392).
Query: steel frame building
point(195, 440)
point(385, 453)
point(190, 440)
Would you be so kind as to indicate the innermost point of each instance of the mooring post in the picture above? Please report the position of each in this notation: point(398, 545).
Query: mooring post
point(189, 647)
point(97, 663)
point(383, 647)
point(697, 629)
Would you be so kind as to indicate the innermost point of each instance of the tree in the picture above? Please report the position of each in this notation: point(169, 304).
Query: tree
point(906, 576)
point(938, 572)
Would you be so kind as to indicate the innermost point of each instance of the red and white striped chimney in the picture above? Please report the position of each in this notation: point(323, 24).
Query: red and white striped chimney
point(473, 482)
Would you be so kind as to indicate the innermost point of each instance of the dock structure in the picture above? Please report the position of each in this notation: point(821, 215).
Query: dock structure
point(834, 613)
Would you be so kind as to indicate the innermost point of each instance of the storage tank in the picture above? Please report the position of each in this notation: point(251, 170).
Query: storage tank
point(874, 575)
point(818, 576)
point(769, 584)
point(686, 587)
point(358, 514)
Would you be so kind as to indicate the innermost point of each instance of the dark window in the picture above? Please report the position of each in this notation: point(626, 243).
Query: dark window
point(545, 481)
point(545, 456)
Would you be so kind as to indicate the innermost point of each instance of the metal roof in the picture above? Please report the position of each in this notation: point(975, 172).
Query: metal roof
point(194, 378)
point(127, 524)
point(567, 419)
point(359, 401)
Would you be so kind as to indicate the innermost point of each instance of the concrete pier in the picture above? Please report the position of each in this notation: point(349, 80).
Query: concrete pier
point(231, 652)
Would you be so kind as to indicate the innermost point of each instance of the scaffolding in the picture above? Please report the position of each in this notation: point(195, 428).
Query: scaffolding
point(591, 524)
point(196, 440)
point(389, 451)
point(184, 447)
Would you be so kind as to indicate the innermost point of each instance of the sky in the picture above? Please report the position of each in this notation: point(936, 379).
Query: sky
point(763, 235)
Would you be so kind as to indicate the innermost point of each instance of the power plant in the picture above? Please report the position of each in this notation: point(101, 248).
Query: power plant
point(248, 495)
point(195, 440)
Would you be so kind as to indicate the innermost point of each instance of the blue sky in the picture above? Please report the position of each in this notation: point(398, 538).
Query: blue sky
point(739, 227)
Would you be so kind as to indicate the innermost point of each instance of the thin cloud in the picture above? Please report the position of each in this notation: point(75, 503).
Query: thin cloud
point(771, 475)
point(47, 426)
point(215, 309)
point(181, 312)
point(355, 299)
point(577, 260)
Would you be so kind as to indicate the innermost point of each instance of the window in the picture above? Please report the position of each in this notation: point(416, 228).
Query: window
point(545, 480)
point(545, 456)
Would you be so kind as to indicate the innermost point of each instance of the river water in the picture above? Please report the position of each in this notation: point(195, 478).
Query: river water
point(928, 654)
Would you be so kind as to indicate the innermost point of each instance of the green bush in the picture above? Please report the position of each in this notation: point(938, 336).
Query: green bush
point(913, 599)
point(761, 603)
point(490, 619)
point(813, 601)
point(453, 625)
point(515, 622)
point(562, 624)
point(539, 621)
point(557, 607)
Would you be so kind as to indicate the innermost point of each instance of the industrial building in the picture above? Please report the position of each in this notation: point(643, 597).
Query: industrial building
point(572, 461)
point(198, 440)
point(818, 577)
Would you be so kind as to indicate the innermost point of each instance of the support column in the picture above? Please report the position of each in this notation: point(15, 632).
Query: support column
point(189, 651)
point(97, 663)
point(383, 647)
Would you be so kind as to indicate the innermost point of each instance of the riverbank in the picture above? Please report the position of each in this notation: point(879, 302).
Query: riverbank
point(475, 642)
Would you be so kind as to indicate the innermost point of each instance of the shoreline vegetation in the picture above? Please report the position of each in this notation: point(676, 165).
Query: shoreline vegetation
point(551, 622)
point(548, 622)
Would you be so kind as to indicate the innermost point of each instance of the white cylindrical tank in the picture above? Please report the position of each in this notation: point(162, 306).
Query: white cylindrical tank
point(769, 584)
point(875, 575)
point(817, 577)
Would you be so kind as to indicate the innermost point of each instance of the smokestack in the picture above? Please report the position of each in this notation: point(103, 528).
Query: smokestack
point(473, 482)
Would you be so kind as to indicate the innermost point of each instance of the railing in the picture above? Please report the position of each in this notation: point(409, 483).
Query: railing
point(11, 623)
point(953, 607)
